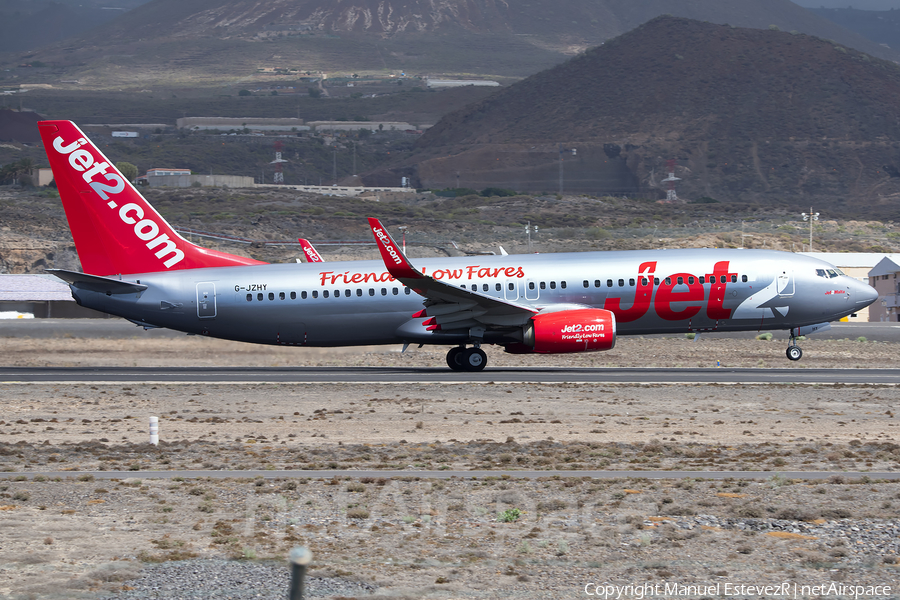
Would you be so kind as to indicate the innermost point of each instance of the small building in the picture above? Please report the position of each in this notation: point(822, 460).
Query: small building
point(188, 180)
point(448, 83)
point(883, 277)
point(166, 172)
point(43, 176)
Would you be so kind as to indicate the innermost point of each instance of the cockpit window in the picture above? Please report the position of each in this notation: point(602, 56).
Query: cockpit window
point(832, 273)
point(821, 273)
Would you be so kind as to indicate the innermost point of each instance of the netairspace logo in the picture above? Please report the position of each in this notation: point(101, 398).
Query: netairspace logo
point(609, 591)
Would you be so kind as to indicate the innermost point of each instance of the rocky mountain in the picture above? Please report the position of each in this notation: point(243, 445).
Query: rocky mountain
point(749, 115)
point(170, 41)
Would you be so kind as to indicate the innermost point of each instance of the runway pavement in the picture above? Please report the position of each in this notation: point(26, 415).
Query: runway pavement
point(404, 375)
point(267, 474)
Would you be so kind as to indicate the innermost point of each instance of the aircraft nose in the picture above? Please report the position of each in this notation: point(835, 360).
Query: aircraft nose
point(863, 294)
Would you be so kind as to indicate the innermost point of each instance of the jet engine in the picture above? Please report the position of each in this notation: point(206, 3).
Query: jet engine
point(578, 330)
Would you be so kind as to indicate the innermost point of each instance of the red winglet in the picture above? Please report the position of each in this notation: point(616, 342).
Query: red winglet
point(396, 262)
point(309, 252)
point(420, 314)
point(433, 328)
point(431, 321)
point(115, 229)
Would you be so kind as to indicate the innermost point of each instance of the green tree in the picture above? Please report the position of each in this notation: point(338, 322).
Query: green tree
point(128, 170)
point(245, 93)
point(314, 92)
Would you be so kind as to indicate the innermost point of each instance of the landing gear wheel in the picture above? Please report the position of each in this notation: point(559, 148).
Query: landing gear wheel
point(454, 359)
point(474, 359)
point(794, 352)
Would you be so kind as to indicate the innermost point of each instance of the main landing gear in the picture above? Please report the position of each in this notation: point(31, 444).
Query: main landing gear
point(793, 351)
point(466, 359)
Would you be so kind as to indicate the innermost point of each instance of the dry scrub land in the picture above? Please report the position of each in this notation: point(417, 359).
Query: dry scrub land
point(63, 537)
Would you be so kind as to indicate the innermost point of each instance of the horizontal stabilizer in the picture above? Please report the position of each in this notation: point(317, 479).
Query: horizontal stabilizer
point(95, 283)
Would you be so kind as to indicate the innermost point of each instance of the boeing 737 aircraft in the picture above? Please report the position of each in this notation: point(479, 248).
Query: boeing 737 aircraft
point(137, 267)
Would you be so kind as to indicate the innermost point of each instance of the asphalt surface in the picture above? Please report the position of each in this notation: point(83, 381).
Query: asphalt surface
point(116, 328)
point(810, 475)
point(404, 375)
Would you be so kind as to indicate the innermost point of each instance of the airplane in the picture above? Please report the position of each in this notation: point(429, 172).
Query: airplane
point(310, 252)
point(137, 267)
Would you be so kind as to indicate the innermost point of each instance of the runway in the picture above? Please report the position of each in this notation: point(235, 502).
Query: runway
point(269, 474)
point(402, 375)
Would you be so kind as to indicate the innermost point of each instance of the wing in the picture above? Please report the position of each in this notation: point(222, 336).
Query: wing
point(448, 306)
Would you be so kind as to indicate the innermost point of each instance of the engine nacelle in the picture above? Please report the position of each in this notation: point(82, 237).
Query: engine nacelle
point(578, 330)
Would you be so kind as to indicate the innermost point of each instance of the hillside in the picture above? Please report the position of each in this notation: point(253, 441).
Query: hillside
point(750, 115)
point(168, 42)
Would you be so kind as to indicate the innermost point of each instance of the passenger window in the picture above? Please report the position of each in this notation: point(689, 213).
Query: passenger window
point(734, 279)
point(543, 286)
point(384, 291)
point(249, 297)
point(271, 295)
point(315, 294)
point(395, 291)
point(303, 295)
point(406, 291)
point(656, 281)
point(511, 286)
point(586, 283)
point(293, 295)
point(325, 294)
point(644, 281)
point(596, 283)
point(668, 281)
point(474, 287)
point(498, 287)
point(281, 295)
point(346, 293)
point(562, 284)
point(702, 279)
point(621, 283)
point(552, 285)
point(609, 283)
point(484, 287)
point(743, 279)
point(631, 282)
point(530, 285)
point(723, 279)
point(359, 291)
point(259, 297)
point(691, 280)
point(371, 291)
point(337, 293)
point(681, 281)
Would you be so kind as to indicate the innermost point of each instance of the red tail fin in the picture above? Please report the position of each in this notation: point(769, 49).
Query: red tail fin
point(115, 229)
point(310, 252)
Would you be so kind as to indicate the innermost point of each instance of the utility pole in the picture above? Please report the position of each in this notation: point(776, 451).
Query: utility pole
point(528, 230)
point(810, 217)
point(334, 167)
point(574, 151)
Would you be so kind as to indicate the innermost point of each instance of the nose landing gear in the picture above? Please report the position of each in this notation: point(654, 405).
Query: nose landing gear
point(466, 359)
point(793, 351)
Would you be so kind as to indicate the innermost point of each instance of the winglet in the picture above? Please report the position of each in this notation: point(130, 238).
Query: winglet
point(309, 252)
point(396, 262)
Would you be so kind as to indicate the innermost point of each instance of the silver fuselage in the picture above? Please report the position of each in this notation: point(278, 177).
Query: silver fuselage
point(358, 303)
